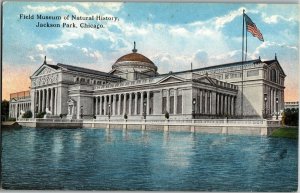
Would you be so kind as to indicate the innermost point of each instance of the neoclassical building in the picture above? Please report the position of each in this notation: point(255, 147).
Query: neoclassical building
point(250, 89)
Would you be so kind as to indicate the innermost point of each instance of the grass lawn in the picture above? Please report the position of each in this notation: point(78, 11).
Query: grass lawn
point(291, 133)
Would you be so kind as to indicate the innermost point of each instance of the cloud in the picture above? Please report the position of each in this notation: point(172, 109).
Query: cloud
point(112, 6)
point(200, 59)
point(49, 9)
point(273, 19)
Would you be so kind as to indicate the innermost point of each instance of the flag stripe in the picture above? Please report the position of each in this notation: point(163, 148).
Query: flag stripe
point(251, 27)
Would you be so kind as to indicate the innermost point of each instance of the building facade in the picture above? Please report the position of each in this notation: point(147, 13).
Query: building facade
point(251, 89)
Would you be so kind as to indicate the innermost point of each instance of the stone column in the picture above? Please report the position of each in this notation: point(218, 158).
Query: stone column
point(210, 102)
point(51, 102)
point(221, 104)
point(175, 101)
point(100, 106)
point(232, 105)
point(200, 103)
point(129, 106)
point(119, 105)
point(124, 104)
point(168, 100)
point(135, 103)
point(105, 105)
point(55, 100)
point(114, 104)
point(43, 100)
point(96, 105)
point(142, 105)
point(148, 103)
point(47, 99)
point(205, 103)
point(109, 104)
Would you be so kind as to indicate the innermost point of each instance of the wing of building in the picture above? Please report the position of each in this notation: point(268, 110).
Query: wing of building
point(134, 87)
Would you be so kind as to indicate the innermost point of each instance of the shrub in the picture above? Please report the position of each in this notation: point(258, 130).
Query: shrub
point(40, 115)
point(125, 116)
point(27, 114)
point(167, 115)
point(61, 116)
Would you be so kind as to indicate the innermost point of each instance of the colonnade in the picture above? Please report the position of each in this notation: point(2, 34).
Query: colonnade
point(214, 103)
point(133, 103)
point(17, 108)
point(225, 104)
point(271, 100)
point(45, 99)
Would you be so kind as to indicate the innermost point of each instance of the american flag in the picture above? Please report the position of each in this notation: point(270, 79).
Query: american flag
point(251, 27)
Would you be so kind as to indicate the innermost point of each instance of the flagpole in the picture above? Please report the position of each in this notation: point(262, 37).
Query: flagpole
point(246, 45)
point(242, 93)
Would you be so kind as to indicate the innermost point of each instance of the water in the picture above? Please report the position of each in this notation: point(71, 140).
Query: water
point(96, 159)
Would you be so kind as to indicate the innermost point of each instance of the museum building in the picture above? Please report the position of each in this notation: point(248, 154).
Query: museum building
point(250, 89)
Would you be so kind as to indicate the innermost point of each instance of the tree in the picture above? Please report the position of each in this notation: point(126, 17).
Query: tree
point(5, 108)
point(291, 117)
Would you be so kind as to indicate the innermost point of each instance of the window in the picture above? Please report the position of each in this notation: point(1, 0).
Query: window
point(273, 75)
point(179, 104)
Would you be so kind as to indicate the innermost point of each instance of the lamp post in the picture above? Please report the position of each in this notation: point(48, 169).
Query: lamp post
point(109, 111)
point(277, 108)
point(81, 112)
point(265, 99)
point(193, 112)
point(145, 103)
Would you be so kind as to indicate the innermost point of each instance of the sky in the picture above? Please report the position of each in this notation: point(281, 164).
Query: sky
point(172, 35)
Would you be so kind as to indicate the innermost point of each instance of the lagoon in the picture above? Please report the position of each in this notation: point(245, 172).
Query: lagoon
point(100, 159)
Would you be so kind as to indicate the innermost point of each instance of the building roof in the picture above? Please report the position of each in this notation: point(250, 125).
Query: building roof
point(224, 65)
point(135, 57)
point(86, 70)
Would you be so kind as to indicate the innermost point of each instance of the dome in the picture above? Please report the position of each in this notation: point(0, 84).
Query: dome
point(134, 61)
point(134, 57)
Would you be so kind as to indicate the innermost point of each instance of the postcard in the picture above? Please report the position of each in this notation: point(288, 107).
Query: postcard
point(141, 96)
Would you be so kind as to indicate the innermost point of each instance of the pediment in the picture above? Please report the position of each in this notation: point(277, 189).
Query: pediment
point(43, 70)
point(205, 80)
point(170, 79)
point(276, 65)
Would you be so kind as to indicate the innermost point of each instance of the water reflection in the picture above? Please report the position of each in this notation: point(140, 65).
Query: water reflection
point(99, 159)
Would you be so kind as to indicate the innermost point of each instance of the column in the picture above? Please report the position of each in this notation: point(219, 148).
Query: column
point(225, 105)
point(43, 100)
point(142, 105)
point(130, 99)
point(148, 103)
point(51, 101)
point(114, 104)
point(135, 103)
point(168, 100)
point(96, 105)
point(210, 102)
point(124, 103)
point(47, 98)
point(221, 104)
point(55, 100)
point(200, 102)
point(109, 104)
point(205, 104)
point(105, 104)
point(175, 101)
point(100, 107)
point(217, 103)
point(119, 105)
point(232, 105)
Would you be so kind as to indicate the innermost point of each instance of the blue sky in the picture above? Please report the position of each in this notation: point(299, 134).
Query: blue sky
point(172, 35)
